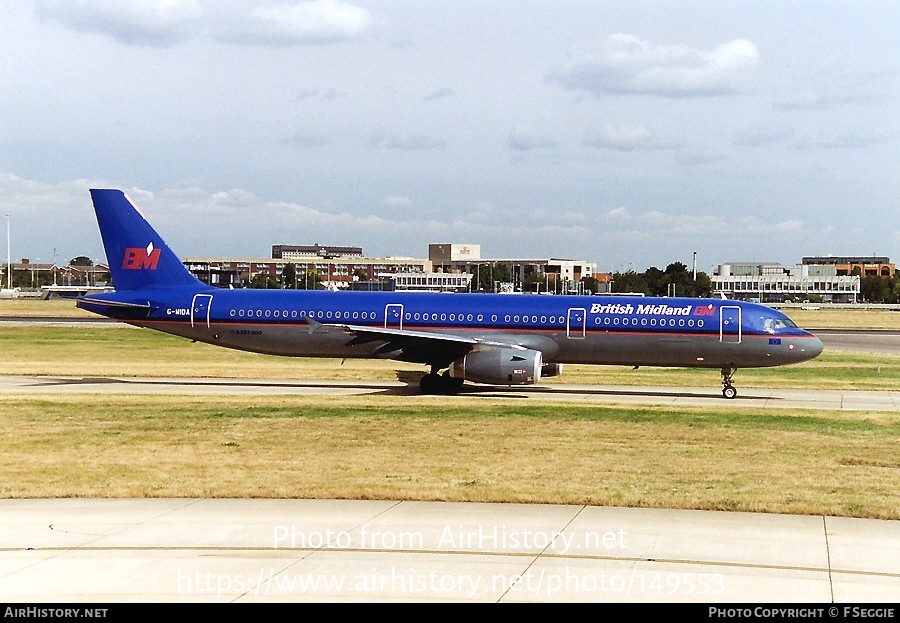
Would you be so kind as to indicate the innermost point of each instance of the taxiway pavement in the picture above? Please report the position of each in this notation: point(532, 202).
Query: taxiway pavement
point(225, 550)
point(769, 398)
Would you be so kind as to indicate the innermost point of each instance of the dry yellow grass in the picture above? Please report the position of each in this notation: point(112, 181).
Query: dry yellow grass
point(842, 318)
point(457, 449)
point(64, 308)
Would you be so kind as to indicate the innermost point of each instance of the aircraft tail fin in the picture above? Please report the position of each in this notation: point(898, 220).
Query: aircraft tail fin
point(138, 257)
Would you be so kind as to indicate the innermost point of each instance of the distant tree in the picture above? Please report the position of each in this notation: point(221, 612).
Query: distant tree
point(629, 282)
point(703, 285)
point(488, 274)
point(311, 280)
point(81, 260)
point(534, 282)
point(879, 289)
point(502, 273)
point(657, 281)
point(679, 279)
point(20, 279)
point(289, 276)
point(361, 274)
point(590, 284)
point(262, 281)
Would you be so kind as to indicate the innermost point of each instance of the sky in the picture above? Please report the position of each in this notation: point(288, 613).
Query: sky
point(627, 133)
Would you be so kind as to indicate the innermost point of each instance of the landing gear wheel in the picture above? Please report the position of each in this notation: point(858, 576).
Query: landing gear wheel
point(728, 390)
point(430, 384)
point(451, 384)
point(434, 383)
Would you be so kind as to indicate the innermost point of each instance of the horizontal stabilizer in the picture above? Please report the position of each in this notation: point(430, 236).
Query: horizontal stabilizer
point(145, 306)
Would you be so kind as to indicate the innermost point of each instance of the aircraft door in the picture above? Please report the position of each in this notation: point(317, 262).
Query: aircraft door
point(200, 310)
point(393, 316)
point(575, 323)
point(730, 324)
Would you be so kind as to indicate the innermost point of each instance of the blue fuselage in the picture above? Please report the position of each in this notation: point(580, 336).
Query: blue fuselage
point(628, 330)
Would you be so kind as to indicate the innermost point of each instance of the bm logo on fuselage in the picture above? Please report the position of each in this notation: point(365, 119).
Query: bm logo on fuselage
point(137, 258)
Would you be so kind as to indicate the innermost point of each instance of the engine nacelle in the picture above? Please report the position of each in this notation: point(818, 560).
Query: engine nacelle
point(551, 369)
point(499, 366)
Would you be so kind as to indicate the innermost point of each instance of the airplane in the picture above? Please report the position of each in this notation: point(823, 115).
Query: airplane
point(493, 339)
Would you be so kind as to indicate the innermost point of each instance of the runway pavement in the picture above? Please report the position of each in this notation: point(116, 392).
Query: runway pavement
point(770, 398)
point(885, 342)
point(214, 550)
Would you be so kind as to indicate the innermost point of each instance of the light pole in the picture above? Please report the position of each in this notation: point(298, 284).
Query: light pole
point(8, 257)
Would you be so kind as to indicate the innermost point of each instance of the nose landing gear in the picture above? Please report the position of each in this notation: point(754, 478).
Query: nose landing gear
point(728, 390)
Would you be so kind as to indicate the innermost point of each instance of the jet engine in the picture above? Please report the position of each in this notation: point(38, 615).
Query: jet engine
point(499, 366)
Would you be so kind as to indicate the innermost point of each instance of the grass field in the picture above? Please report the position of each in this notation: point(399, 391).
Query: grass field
point(435, 448)
point(428, 448)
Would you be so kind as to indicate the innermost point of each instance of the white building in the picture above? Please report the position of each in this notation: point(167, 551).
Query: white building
point(774, 283)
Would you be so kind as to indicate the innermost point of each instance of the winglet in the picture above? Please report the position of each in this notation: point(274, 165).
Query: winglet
point(137, 256)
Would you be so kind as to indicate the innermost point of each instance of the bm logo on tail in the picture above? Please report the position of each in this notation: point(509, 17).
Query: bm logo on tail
point(137, 258)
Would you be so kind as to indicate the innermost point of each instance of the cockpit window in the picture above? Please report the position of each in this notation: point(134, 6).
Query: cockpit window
point(772, 325)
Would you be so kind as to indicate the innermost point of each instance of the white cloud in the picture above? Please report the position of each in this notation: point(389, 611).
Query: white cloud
point(395, 202)
point(616, 215)
point(157, 23)
point(626, 64)
point(701, 156)
point(835, 139)
point(626, 138)
point(828, 89)
point(525, 138)
point(304, 140)
point(317, 21)
point(758, 137)
point(440, 94)
point(406, 142)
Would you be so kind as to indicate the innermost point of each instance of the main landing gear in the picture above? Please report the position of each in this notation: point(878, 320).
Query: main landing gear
point(728, 390)
point(437, 383)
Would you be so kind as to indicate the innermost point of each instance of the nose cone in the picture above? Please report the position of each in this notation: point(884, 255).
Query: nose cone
point(809, 347)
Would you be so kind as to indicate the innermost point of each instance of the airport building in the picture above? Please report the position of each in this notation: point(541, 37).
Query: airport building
point(774, 283)
point(536, 274)
point(874, 266)
point(420, 282)
point(450, 267)
point(453, 267)
point(51, 280)
point(286, 251)
point(335, 271)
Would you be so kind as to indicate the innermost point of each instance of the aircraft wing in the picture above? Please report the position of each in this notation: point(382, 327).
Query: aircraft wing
point(428, 347)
